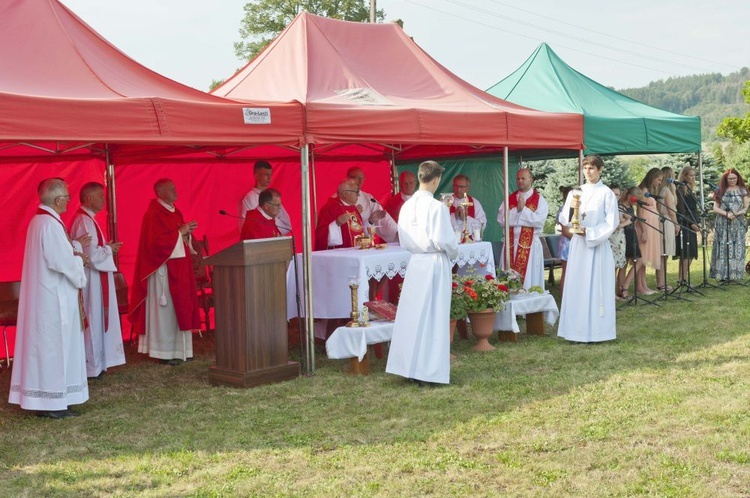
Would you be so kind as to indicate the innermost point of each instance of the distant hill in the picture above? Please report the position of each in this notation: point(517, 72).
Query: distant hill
point(713, 97)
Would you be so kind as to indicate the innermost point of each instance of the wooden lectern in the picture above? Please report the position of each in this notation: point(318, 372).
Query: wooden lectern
point(250, 310)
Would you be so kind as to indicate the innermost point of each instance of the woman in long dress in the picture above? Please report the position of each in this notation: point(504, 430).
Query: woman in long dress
point(588, 304)
point(668, 209)
point(650, 241)
point(730, 206)
point(617, 242)
point(687, 206)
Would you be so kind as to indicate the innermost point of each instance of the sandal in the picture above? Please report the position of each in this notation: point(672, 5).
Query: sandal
point(623, 293)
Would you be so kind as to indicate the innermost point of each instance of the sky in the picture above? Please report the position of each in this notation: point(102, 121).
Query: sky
point(621, 44)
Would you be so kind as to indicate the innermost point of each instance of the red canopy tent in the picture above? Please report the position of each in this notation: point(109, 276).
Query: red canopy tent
point(370, 91)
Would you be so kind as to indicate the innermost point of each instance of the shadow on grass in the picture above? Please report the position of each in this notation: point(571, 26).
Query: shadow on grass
point(145, 409)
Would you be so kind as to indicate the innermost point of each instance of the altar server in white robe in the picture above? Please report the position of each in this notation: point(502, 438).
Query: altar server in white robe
point(103, 336)
point(588, 313)
point(526, 218)
point(420, 348)
point(49, 373)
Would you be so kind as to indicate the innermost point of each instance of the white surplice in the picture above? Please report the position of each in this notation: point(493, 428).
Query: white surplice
point(49, 370)
point(250, 202)
point(420, 348)
point(587, 312)
point(104, 349)
point(527, 218)
point(386, 228)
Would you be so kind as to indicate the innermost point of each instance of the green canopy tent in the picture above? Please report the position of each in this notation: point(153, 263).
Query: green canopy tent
point(613, 124)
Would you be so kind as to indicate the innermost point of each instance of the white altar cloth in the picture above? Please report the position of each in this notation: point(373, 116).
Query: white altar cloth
point(350, 342)
point(331, 271)
point(523, 304)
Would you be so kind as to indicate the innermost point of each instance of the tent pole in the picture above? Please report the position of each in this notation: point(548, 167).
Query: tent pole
point(580, 166)
point(309, 363)
point(506, 244)
point(700, 174)
point(394, 174)
point(314, 188)
point(111, 199)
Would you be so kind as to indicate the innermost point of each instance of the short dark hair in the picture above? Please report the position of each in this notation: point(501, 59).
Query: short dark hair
point(267, 196)
point(428, 171)
point(261, 165)
point(594, 160)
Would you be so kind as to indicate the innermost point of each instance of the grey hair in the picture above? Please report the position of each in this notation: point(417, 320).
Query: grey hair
point(50, 189)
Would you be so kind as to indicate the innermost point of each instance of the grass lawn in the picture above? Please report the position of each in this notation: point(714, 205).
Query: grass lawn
point(662, 411)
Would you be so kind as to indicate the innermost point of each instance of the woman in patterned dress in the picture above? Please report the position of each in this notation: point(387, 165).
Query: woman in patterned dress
point(617, 241)
point(730, 206)
point(668, 209)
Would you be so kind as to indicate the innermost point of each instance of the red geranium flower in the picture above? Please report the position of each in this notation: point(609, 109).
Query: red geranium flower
point(502, 287)
point(489, 277)
point(455, 285)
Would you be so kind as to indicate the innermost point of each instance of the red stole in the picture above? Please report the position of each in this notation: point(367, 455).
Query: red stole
point(103, 275)
point(81, 313)
point(520, 261)
point(393, 206)
point(257, 226)
point(470, 211)
point(349, 230)
point(159, 232)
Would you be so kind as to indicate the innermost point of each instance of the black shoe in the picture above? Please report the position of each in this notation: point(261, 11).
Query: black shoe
point(171, 363)
point(419, 383)
point(98, 377)
point(57, 414)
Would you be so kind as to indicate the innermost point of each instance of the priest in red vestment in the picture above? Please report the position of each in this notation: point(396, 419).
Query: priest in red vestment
point(339, 221)
point(407, 183)
point(260, 223)
point(163, 299)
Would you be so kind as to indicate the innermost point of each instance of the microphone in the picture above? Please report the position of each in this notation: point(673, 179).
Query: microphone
point(712, 185)
point(675, 182)
point(652, 196)
point(224, 213)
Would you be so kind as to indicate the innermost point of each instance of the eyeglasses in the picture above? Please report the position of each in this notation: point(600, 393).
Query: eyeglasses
point(274, 204)
point(461, 186)
point(66, 197)
point(355, 191)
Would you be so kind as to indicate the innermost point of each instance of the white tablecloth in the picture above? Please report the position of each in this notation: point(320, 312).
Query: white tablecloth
point(522, 304)
point(350, 342)
point(332, 270)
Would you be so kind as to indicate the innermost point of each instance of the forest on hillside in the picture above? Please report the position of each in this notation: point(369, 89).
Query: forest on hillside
point(713, 97)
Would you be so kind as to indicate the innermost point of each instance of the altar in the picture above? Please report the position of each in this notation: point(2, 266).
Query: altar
point(332, 270)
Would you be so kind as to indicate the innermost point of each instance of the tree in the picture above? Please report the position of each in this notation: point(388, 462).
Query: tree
point(264, 19)
point(737, 129)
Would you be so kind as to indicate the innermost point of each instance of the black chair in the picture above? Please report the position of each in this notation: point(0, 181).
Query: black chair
point(551, 259)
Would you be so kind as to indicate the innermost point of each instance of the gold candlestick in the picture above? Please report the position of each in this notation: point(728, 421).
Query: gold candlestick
point(354, 285)
point(575, 221)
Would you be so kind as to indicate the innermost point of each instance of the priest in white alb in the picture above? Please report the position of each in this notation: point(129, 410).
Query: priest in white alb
point(49, 370)
point(103, 336)
point(420, 347)
point(588, 313)
point(527, 213)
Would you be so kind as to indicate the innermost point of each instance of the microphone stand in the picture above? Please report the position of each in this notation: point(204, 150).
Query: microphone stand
point(704, 245)
point(686, 224)
point(633, 300)
point(662, 222)
point(680, 217)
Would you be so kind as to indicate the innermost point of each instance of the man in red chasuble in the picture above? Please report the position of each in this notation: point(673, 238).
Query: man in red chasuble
point(407, 183)
point(527, 213)
point(163, 299)
point(260, 223)
point(339, 221)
